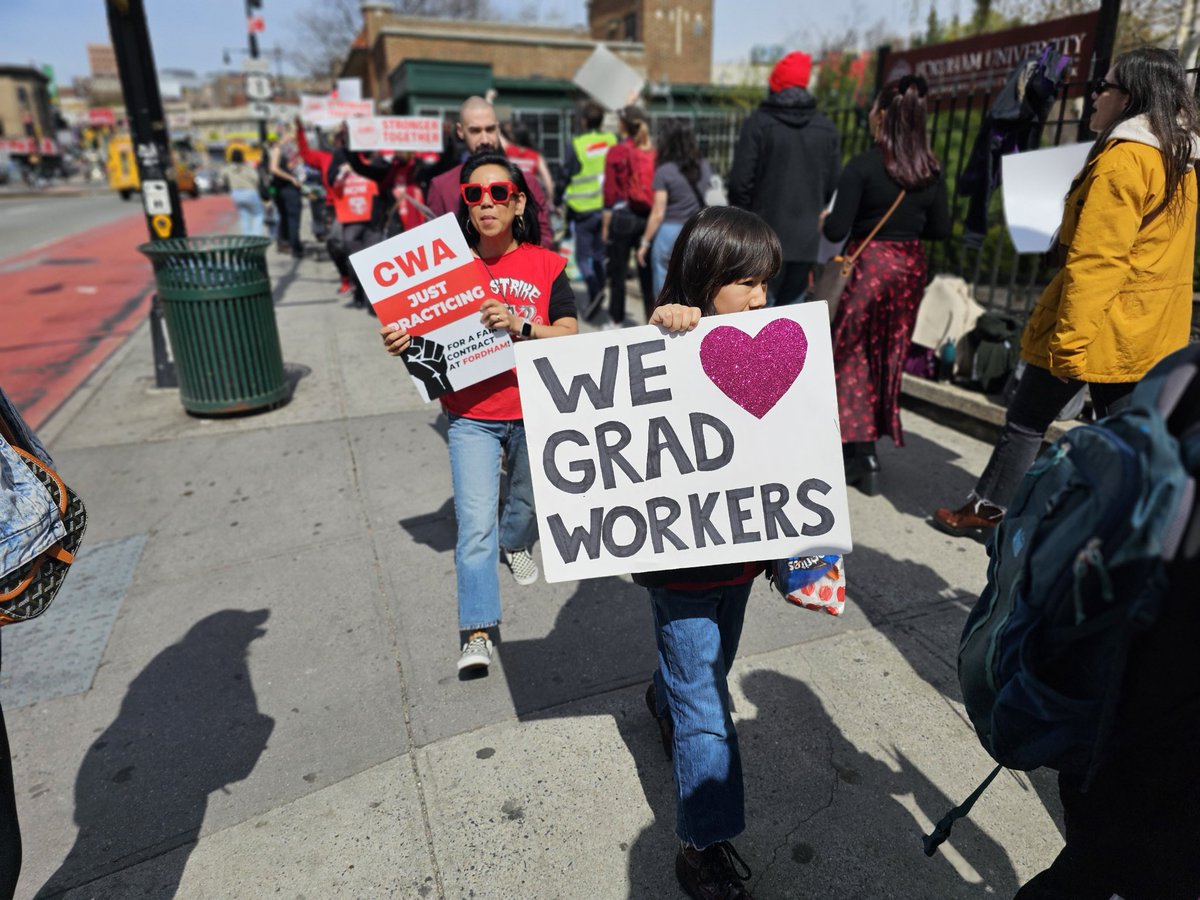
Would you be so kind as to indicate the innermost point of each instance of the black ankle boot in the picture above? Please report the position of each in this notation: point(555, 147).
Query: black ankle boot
point(862, 467)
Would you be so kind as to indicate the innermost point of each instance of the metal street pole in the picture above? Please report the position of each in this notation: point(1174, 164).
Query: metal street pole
point(147, 123)
point(251, 5)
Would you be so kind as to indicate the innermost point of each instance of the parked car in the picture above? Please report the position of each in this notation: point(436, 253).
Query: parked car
point(211, 181)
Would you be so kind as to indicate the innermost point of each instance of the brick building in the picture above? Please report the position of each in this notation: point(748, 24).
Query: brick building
point(666, 40)
point(676, 35)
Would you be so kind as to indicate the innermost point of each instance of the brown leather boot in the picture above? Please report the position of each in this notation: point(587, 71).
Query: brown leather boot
point(975, 519)
point(710, 874)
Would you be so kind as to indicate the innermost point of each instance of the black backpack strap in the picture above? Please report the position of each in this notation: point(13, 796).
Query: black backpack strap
point(941, 831)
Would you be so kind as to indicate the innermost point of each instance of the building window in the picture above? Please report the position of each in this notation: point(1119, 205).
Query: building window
point(631, 27)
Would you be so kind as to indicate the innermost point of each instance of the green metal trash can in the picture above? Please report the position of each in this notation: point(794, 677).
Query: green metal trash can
point(216, 295)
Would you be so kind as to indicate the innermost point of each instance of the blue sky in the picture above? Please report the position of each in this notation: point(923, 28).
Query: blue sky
point(191, 34)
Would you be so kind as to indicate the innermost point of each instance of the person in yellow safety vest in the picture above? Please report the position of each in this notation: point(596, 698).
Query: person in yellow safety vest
point(583, 171)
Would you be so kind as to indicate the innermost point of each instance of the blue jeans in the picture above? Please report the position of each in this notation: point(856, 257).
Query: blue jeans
point(697, 634)
point(660, 253)
point(250, 211)
point(475, 448)
point(590, 251)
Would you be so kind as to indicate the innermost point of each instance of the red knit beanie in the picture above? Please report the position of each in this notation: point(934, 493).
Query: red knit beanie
point(791, 71)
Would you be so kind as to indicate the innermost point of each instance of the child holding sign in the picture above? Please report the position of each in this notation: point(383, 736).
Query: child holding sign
point(720, 264)
point(531, 298)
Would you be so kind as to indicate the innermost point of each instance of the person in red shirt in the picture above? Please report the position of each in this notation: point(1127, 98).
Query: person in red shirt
point(532, 300)
point(628, 198)
point(479, 130)
point(320, 160)
point(518, 146)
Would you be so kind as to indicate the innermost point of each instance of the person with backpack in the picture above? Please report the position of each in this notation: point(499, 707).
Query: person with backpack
point(628, 199)
point(1080, 654)
point(889, 199)
point(1123, 299)
point(785, 168)
point(678, 173)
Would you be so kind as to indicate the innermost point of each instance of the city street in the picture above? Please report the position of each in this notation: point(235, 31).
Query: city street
point(74, 288)
point(247, 686)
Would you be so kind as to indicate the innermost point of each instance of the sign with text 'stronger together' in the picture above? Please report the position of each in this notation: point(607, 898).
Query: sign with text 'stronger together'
point(401, 134)
point(428, 281)
point(654, 451)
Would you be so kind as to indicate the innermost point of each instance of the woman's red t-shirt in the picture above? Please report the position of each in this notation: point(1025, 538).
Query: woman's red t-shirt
point(522, 279)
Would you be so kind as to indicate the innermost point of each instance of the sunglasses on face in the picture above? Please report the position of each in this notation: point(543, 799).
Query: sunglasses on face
point(501, 192)
point(1099, 86)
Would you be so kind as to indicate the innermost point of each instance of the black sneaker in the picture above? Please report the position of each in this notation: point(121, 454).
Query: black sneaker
point(666, 728)
point(710, 874)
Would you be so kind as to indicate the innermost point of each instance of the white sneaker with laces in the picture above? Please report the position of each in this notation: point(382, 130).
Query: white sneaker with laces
point(522, 565)
point(476, 653)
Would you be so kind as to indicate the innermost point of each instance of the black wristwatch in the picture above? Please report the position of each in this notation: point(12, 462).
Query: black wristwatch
point(526, 329)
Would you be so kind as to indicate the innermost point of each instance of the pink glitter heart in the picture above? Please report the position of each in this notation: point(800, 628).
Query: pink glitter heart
point(755, 372)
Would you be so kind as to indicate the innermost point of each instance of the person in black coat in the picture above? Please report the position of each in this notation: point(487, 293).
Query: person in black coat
point(785, 168)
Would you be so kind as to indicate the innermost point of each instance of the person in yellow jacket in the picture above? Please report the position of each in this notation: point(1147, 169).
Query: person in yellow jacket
point(1123, 298)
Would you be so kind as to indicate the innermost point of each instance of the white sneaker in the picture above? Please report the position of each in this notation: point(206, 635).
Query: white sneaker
point(476, 653)
point(522, 565)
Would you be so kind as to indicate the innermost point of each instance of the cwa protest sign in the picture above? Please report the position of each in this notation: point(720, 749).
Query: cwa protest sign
point(428, 281)
point(653, 451)
point(411, 134)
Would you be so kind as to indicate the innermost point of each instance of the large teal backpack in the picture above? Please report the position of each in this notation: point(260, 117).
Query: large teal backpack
point(1077, 571)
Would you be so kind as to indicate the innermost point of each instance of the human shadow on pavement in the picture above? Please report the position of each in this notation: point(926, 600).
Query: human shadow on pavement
point(923, 617)
point(824, 818)
point(923, 475)
point(603, 639)
point(189, 725)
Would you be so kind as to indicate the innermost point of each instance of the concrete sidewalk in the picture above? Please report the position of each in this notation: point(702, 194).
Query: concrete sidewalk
point(250, 689)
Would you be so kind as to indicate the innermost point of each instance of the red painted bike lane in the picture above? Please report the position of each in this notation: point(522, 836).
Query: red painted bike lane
point(65, 307)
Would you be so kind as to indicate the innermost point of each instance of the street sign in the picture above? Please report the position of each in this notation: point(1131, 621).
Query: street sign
point(258, 86)
point(260, 111)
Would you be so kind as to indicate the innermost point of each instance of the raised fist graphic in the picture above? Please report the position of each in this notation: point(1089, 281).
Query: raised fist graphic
point(426, 361)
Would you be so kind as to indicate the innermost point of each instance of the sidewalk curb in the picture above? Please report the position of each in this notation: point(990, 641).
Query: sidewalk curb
point(967, 411)
point(60, 420)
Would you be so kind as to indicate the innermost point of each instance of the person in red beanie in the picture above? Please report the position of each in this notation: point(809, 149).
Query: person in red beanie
point(785, 169)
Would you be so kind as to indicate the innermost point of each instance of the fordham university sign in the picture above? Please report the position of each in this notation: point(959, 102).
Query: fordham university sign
point(983, 63)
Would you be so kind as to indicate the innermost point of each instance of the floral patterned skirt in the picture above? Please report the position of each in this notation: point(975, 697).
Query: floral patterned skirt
point(871, 334)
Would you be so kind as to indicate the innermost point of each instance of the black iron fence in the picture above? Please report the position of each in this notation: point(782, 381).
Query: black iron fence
point(1002, 278)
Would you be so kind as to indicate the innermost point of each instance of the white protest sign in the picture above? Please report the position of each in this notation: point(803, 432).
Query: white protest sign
point(428, 281)
point(1035, 184)
point(608, 79)
point(654, 451)
point(328, 112)
point(416, 134)
point(349, 88)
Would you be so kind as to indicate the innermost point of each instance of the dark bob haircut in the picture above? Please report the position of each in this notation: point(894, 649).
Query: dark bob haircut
point(525, 229)
point(717, 246)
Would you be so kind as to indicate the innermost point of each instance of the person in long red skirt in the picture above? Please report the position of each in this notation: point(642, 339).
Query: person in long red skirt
point(874, 321)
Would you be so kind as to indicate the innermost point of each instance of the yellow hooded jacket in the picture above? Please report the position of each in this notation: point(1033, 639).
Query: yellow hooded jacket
point(1123, 300)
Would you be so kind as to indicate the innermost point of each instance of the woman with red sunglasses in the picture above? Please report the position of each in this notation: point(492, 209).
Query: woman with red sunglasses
point(532, 300)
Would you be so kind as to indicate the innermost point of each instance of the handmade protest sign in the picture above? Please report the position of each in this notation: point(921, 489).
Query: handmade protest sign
point(427, 281)
point(402, 134)
point(328, 112)
point(653, 451)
